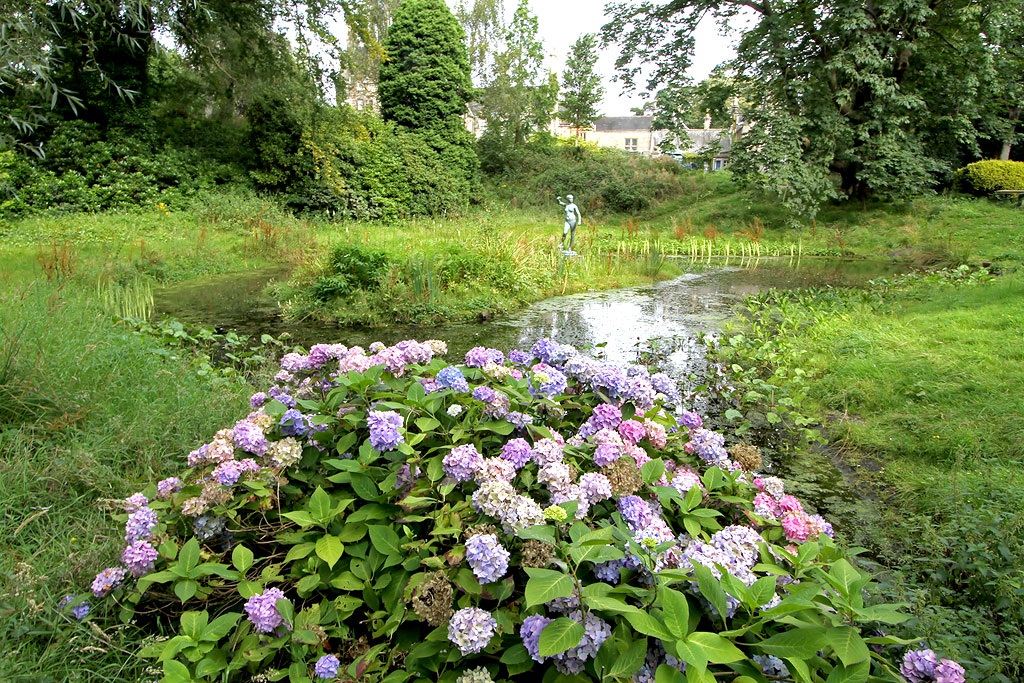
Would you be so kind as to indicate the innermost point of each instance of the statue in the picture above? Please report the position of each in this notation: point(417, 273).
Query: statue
point(572, 219)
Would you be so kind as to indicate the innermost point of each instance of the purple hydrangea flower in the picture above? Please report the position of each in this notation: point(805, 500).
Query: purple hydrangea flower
point(544, 349)
point(258, 399)
point(452, 378)
point(462, 462)
point(107, 580)
point(948, 671)
point(520, 420)
point(636, 511)
point(611, 378)
point(414, 352)
point(517, 451)
point(471, 629)
point(327, 667)
point(919, 666)
point(228, 472)
point(484, 394)
point(487, 557)
point(519, 357)
point(135, 502)
point(530, 634)
point(262, 610)
point(606, 454)
point(140, 524)
point(709, 446)
point(631, 431)
point(546, 451)
point(81, 610)
point(139, 558)
point(279, 394)
point(167, 486)
point(595, 632)
point(295, 362)
point(605, 416)
point(548, 380)
point(690, 420)
point(294, 423)
point(65, 601)
point(250, 438)
point(384, 434)
point(596, 487)
point(479, 356)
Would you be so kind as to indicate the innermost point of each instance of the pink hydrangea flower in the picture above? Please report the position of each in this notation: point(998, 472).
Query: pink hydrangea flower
point(790, 504)
point(656, 434)
point(796, 527)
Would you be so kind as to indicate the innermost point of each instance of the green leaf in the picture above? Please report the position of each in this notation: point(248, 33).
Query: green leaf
point(647, 624)
point(652, 470)
point(297, 552)
point(762, 590)
point(845, 576)
point(300, 517)
point(630, 661)
point(541, 532)
point(733, 414)
point(193, 623)
point(802, 643)
point(241, 558)
point(717, 649)
point(307, 584)
point(711, 589)
point(426, 424)
point(188, 558)
point(320, 505)
point(384, 539)
point(185, 589)
point(848, 644)
point(858, 673)
point(668, 674)
point(221, 626)
point(364, 487)
point(675, 612)
point(545, 585)
point(329, 549)
point(176, 672)
point(558, 636)
point(213, 663)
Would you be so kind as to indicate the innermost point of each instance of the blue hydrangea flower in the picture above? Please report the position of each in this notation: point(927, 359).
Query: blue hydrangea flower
point(471, 629)
point(483, 393)
point(384, 434)
point(327, 667)
point(452, 378)
point(294, 423)
point(487, 558)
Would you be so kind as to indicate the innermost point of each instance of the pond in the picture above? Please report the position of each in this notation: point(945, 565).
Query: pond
point(662, 319)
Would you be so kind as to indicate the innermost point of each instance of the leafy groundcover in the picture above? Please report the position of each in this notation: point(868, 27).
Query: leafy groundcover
point(382, 515)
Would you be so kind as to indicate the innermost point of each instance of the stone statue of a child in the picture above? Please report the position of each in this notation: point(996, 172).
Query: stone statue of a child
point(573, 217)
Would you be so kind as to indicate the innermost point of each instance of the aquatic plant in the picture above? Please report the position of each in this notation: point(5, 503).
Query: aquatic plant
point(383, 514)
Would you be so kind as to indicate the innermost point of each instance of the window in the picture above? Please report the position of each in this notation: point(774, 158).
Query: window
point(718, 164)
point(631, 144)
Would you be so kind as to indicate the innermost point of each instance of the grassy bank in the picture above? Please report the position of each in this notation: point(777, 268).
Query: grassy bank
point(88, 410)
point(917, 383)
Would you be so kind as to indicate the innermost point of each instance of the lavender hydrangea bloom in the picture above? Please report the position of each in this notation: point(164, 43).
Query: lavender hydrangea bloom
point(140, 524)
point(135, 502)
point(740, 542)
point(517, 451)
point(167, 486)
point(295, 362)
point(771, 665)
point(709, 446)
point(65, 601)
point(611, 378)
point(384, 434)
point(635, 511)
point(581, 367)
point(479, 356)
point(605, 416)
point(327, 667)
point(530, 634)
point(414, 352)
point(258, 399)
point(279, 394)
point(544, 349)
point(107, 580)
point(487, 557)
point(546, 451)
point(250, 438)
point(262, 610)
point(520, 420)
point(139, 558)
point(519, 357)
point(228, 473)
point(471, 629)
point(948, 671)
point(462, 462)
point(919, 666)
point(596, 487)
point(690, 420)
point(484, 394)
point(606, 454)
point(452, 378)
point(547, 380)
point(294, 423)
point(81, 610)
point(595, 632)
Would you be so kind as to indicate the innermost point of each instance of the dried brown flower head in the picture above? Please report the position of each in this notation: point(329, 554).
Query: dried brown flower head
point(624, 476)
point(432, 599)
point(537, 554)
point(749, 457)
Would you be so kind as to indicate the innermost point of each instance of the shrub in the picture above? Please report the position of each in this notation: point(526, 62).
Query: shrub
point(986, 177)
point(351, 267)
point(384, 516)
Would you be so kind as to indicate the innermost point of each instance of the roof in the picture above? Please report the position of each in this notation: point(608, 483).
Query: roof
point(609, 124)
point(700, 137)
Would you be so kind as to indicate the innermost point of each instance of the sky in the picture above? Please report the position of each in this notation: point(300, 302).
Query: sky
point(561, 22)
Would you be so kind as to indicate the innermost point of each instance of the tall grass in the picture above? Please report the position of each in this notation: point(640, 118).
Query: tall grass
point(99, 410)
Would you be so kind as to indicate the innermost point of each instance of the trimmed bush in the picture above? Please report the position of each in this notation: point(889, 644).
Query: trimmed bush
point(391, 517)
point(986, 177)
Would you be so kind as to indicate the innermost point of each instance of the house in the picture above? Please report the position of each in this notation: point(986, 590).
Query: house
point(635, 134)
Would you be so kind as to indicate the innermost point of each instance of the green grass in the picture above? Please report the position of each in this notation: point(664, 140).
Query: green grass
point(98, 411)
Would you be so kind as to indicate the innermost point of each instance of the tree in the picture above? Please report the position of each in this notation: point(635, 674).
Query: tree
point(425, 84)
point(582, 89)
point(484, 24)
point(517, 99)
point(885, 95)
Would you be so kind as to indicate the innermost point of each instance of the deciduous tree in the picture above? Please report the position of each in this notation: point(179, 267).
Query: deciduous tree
point(581, 84)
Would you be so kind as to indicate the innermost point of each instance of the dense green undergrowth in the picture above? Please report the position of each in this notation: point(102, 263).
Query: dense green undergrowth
point(915, 381)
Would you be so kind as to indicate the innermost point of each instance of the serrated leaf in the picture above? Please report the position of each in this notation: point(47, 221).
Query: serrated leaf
point(384, 539)
point(185, 589)
point(320, 505)
point(716, 649)
point(800, 643)
point(675, 612)
point(711, 589)
point(193, 623)
point(558, 636)
point(329, 549)
point(647, 624)
point(364, 487)
point(848, 645)
point(241, 558)
point(630, 661)
point(652, 470)
point(545, 585)
point(857, 673)
point(668, 674)
point(188, 558)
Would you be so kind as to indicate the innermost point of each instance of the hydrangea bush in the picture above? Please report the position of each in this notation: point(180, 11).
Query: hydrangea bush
point(385, 515)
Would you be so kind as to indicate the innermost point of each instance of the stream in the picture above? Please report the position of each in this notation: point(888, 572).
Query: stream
point(662, 320)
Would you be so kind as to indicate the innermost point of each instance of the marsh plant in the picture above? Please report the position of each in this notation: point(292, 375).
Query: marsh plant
point(386, 515)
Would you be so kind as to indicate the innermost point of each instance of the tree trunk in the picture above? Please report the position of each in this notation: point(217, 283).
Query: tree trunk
point(1008, 142)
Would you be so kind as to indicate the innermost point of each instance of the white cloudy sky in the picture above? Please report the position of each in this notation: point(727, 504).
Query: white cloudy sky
point(561, 22)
